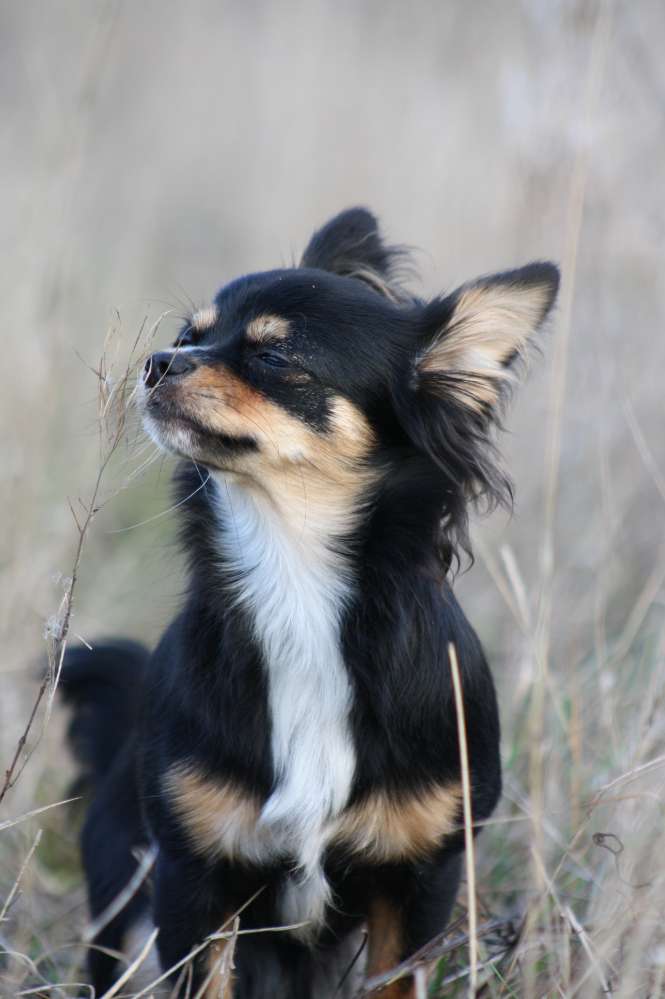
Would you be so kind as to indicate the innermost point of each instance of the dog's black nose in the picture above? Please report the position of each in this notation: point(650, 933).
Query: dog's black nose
point(165, 364)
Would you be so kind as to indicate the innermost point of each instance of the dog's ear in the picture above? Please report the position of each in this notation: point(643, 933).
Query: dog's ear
point(470, 345)
point(474, 337)
point(351, 245)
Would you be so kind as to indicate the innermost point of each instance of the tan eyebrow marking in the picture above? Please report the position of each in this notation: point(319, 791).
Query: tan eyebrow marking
point(203, 319)
point(265, 328)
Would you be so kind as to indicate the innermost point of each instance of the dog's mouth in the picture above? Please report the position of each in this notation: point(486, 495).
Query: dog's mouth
point(175, 427)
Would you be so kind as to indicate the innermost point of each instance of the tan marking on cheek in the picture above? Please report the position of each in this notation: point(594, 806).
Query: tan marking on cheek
point(226, 404)
point(216, 816)
point(385, 829)
point(351, 433)
point(320, 480)
point(316, 479)
point(203, 319)
point(265, 329)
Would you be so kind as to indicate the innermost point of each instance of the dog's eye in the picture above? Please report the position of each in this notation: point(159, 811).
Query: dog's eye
point(273, 359)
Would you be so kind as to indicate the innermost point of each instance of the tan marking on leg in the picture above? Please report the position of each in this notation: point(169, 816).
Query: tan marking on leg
point(385, 947)
point(218, 817)
point(221, 819)
point(220, 980)
point(386, 829)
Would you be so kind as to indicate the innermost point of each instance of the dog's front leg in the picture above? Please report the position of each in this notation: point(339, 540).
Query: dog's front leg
point(185, 914)
point(385, 945)
point(412, 907)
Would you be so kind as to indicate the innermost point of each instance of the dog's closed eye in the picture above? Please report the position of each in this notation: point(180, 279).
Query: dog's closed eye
point(273, 359)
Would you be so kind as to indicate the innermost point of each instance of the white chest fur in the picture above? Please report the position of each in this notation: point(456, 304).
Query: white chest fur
point(295, 588)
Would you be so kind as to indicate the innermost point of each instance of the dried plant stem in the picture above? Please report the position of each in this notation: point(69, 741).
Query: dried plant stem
point(437, 948)
point(122, 898)
point(133, 967)
point(468, 820)
point(575, 213)
point(56, 650)
point(17, 881)
point(222, 967)
point(219, 935)
point(113, 396)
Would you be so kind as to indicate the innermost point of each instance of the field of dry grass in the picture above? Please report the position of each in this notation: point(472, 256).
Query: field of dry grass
point(152, 151)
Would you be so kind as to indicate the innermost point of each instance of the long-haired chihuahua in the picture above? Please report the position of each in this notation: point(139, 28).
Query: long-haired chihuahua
point(289, 751)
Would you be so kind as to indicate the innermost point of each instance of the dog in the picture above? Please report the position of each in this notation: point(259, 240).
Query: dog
point(290, 750)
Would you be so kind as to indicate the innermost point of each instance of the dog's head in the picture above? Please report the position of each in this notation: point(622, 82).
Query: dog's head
point(327, 380)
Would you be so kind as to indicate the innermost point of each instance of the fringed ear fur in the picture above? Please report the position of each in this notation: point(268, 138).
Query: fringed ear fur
point(478, 332)
point(351, 245)
point(466, 361)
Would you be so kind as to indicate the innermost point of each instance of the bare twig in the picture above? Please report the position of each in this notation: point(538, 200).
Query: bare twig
point(196, 950)
point(113, 397)
point(222, 965)
point(58, 636)
point(10, 823)
point(133, 967)
point(583, 937)
point(122, 898)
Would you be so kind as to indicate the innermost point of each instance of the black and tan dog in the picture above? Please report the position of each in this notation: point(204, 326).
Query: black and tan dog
point(293, 736)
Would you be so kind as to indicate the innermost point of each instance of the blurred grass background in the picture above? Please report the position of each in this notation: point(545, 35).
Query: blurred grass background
point(153, 151)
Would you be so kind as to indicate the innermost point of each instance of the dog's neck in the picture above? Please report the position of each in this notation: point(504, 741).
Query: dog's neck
point(300, 508)
point(299, 534)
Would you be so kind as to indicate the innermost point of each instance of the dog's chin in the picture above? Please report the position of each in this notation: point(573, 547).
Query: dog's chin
point(171, 435)
point(185, 438)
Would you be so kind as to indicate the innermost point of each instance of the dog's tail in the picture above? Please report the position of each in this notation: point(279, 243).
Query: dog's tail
point(102, 686)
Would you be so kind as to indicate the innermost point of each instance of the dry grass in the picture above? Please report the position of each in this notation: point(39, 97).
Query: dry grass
point(152, 148)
